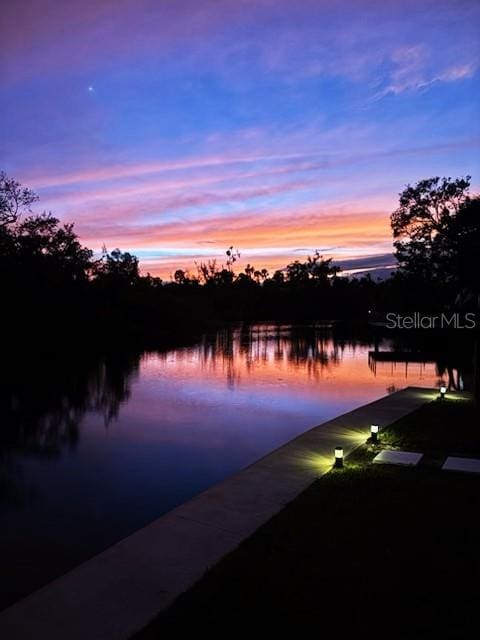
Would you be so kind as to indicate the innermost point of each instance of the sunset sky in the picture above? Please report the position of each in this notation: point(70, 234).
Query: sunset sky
point(175, 128)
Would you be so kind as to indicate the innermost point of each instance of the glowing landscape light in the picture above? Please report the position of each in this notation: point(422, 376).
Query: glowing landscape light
point(374, 433)
point(443, 391)
point(338, 457)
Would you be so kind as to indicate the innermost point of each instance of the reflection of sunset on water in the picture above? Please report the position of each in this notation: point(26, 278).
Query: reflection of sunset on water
point(271, 355)
point(133, 435)
point(258, 386)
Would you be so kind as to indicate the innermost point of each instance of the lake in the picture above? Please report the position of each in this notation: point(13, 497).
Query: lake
point(94, 448)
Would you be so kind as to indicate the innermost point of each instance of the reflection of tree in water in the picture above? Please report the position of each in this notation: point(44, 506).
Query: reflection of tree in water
point(42, 404)
point(221, 351)
point(449, 353)
point(43, 401)
point(451, 376)
point(309, 350)
point(110, 385)
point(312, 351)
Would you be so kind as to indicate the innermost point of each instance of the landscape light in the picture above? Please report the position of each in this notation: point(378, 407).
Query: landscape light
point(374, 433)
point(443, 391)
point(338, 457)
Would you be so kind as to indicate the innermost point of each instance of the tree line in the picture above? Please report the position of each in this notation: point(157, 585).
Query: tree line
point(53, 288)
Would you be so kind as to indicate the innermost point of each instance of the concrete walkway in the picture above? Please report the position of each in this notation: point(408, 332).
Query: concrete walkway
point(120, 590)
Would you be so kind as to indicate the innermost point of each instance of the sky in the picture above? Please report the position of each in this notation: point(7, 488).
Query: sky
point(176, 128)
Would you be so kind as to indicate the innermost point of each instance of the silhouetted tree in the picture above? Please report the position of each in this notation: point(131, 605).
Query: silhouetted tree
point(315, 268)
point(463, 241)
point(232, 256)
point(278, 276)
point(118, 267)
point(184, 278)
point(42, 240)
point(439, 229)
point(297, 272)
point(321, 269)
point(207, 271)
point(422, 225)
point(249, 270)
point(14, 200)
point(180, 276)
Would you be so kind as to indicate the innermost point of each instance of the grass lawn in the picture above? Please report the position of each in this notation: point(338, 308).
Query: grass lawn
point(367, 550)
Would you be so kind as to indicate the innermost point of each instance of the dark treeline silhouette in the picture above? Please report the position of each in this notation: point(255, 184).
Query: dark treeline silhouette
point(53, 289)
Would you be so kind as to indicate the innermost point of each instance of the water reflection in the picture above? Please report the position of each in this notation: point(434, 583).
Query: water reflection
point(43, 402)
point(92, 448)
point(236, 353)
point(42, 406)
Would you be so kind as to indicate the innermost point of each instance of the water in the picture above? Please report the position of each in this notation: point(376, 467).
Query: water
point(92, 450)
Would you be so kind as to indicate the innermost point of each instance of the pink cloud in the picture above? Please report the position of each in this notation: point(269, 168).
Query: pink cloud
point(415, 70)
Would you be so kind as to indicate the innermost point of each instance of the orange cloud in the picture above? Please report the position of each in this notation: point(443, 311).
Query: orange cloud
point(270, 239)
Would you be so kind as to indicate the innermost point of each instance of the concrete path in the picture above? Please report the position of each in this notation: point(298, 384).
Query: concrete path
point(119, 591)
